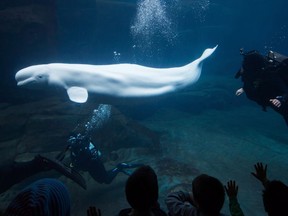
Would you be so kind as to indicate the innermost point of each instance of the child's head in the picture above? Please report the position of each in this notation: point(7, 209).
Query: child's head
point(275, 198)
point(142, 189)
point(208, 193)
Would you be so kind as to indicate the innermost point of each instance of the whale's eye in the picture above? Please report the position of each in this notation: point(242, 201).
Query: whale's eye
point(40, 76)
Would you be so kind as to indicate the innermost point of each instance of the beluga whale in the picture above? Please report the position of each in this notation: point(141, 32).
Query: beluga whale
point(115, 80)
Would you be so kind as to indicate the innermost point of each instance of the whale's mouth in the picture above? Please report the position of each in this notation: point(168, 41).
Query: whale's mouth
point(30, 81)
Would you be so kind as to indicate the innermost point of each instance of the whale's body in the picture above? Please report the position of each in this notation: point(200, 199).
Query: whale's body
point(116, 80)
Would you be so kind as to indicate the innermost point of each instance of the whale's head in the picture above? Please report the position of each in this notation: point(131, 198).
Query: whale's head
point(33, 76)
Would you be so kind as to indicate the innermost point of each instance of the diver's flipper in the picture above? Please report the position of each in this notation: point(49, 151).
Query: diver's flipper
point(123, 166)
point(61, 155)
point(126, 172)
point(77, 94)
point(128, 165)
point(65, 170)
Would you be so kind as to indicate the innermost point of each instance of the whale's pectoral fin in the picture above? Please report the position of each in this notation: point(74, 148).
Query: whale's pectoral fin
point(77, 94)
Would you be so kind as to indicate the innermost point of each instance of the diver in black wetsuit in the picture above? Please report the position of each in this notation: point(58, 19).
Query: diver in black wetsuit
point(86, 156)
point(265, 80)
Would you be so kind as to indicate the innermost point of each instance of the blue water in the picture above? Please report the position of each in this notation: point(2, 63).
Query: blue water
point(205, 122)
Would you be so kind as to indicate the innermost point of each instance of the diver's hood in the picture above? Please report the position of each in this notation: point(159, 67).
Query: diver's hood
point(253, 61)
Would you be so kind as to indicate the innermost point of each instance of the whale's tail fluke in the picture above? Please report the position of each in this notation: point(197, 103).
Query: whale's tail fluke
point(207, 53)
point(198, 62)
point(194, 69)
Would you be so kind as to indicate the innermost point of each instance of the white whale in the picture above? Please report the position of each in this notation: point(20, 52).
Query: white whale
point(116, 80)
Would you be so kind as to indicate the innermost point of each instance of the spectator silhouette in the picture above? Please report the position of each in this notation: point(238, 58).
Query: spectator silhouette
point(207, 198)
point(142, 193)
point(275, 193)
point(45, 197)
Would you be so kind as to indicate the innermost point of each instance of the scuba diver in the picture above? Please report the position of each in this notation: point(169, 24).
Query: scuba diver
point(265, 80)
point(85, 155)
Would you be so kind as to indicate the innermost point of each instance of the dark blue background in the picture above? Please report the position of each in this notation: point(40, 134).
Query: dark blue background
point(89, 31)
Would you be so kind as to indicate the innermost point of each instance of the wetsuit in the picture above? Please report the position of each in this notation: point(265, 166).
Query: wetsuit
point(263, 81)
point(86, 156)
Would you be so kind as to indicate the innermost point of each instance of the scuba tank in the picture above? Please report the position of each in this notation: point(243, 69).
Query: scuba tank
point(276, 58)
point(255, 62)
point(278, 63)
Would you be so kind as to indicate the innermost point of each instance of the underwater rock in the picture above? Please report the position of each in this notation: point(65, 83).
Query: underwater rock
point(45, 126)
point(16, 19)
point(8, 150)
point(123, 132)
point(28, 32)
point(12, 123)
point(171, 167)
